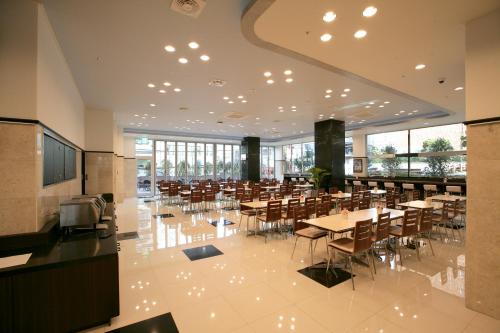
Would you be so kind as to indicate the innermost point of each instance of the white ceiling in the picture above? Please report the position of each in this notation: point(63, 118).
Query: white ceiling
point(400, 35)
point(115, 48)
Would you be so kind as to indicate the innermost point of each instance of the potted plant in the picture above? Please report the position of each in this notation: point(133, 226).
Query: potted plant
point(317, 175)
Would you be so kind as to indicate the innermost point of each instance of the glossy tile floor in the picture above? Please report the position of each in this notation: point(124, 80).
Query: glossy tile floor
point(255, 287)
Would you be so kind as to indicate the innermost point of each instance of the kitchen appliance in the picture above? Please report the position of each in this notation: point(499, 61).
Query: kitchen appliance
point(80, 212)
point(100, 201)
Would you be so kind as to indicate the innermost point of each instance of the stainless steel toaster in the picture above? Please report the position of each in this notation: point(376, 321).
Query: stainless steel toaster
point(80, 212)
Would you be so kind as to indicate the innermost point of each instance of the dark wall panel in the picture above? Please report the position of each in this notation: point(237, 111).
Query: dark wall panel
point(329, 144)
point(250, 166)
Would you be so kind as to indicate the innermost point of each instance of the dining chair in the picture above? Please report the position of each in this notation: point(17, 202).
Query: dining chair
point(380, 234)
point(359, 244)
point(264, 196)
point(296, 194)
point(288, 214)
point(409, 228)
point(278, 196)
point(425, 226)
point(355, 200)
point(310, 204)
point(364, 203)
point(209, 198)
point(247, 211)
point(346, 203)
point(272, 216)
point(302, 229)
point(322, 209)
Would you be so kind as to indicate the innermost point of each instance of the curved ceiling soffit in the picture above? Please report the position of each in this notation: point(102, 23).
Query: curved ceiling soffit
point(257, 8)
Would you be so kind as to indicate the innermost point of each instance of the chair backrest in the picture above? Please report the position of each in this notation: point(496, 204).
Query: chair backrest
point(362, 235)
point(388, 185)
point(299, 216)
point(364, 203)
point(278, 196)
point(410, 222)
point(333, 190)
point(366, 194)
point(323, 209)
point(430, 187)
point(408, 186)
point(239, 193)
point(295, 194)
point(246, 198)
point(264, 196)
point(185, 187)
point(173, 191)
point(356, 182)
point(326, 198)
point(346, 204)
point(415, 195)
point(355, 200)
point(449, 210)
point(390, 201)
point(209, 194)
point(321, 192)
point(372, 184)
point(273, 212)
point(403, 197)
point(426, 219)
point(454, 189)
point(196, 196)
point(292, 203)
point(310, 206)
point(383, 224)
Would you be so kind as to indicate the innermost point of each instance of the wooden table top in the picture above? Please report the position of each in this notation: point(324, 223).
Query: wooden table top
point(378, 191)
point(263, 204)
point(340, 223)
point(341, 195)
point(421, 204)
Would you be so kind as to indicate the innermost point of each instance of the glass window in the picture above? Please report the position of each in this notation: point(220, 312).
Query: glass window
point(209, 160)
point(287, 158)
point(181, 160)
point(264, 162)
point(219, 167)
point(236, 162)
point(160, 160)
point(170, 163)
point(348, 146)
point(271, 162)
point(380, 147)
point(228, 166)
point(439, 147)
point(200, 160)
point(348, 166)
point(308, 156)
point(191, 150)
point(297, 157)
point(143, 147)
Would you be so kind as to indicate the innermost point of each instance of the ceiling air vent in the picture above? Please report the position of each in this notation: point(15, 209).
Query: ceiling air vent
point(234, 115)
point(217, 83)
point(191, 8)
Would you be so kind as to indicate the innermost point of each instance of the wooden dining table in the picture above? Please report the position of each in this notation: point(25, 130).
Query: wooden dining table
point(421, 204)
point(340, 223)
point(443, 197)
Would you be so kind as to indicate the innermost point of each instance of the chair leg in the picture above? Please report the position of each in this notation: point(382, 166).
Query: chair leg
point(369, 265)
point(373, 260)
point(311, 250)
point(329, 259)
point(417, 245)
point(398, 250)
point(352, 277)
point(294, 245)
point(430, 243)
point(241, 218)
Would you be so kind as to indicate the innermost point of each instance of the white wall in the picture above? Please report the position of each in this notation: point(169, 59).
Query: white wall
point(129, 146)
point(99, 130)
point(359, 150)
point(18, 43)
point(59, 105)
point(483, 67)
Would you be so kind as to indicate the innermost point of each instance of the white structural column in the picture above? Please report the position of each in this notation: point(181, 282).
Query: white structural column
point(483, 157)
point(359, 152)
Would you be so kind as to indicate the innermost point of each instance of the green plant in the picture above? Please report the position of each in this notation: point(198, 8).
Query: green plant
point(438, 166)
point(390, 164)
point(317, 175)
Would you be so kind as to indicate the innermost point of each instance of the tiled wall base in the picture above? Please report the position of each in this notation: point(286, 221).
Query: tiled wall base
point(483, 219)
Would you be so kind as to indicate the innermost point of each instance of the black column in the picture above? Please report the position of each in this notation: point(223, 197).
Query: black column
point(250, 158)
point(329, 151)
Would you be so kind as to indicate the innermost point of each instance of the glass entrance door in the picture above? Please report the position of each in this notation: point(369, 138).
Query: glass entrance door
point(145, 186)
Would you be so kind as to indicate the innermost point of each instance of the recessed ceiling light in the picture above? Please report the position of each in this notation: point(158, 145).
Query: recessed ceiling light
point(167, 84)
point(293, 110)
point(151, 85)
point(240, 97)
point(396, 114)
point(360, 34)
point(194, 45)
point(257, 118)
point(204, 57)
point(289, 80)
point(402, 111)
point(153, 117)
point(458, 88)
point(420, 66)
point(287, 72)
point(152, 105)
point(326, 37)
point(301, 132)
point(211, 112)
point(426, 123)
point(328, 91)
point(243, 101)
point(328, 96)
point(177, 89)
point(386, 102)
point(267, 74)
point(367, 106)
point(369, 11)
point(225, 97)
point(280, 107)
point(415, 111)
point(230, 102)
point(270, 81)
point(136, 115)
point(347, 90)
point(343, 95)
point(371, 103)
point(183, 60)
point(281, 111)
point(329, 17)
point(161, 91)
point(381, 106)
point(321, 115)
point(169, 48)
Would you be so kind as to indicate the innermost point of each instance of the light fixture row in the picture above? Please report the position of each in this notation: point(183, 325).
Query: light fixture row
point(192, 45)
